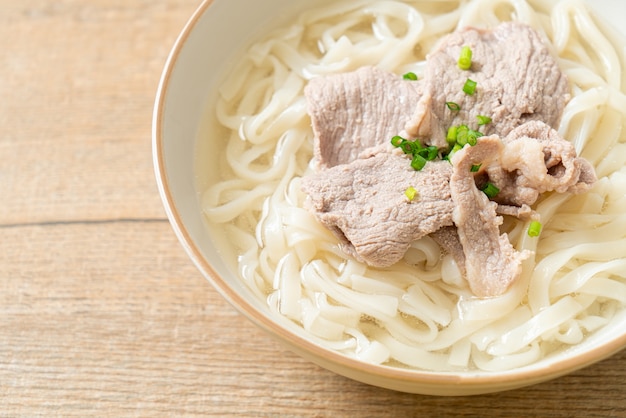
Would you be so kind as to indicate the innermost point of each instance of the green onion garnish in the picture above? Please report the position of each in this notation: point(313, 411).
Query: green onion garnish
point(462, 132)
point(433, 151)
point(410, 76)
point(397, 140)
point(483, 120)
point(534, 229)
point(453, 106)
point(490, 190)
point(472, 136)
point(451, 136)
point(469, 87)
point(408, 147)
point(465, 59)
point(475, 167)
point(410, 193)
point(461, 135)
point(418, 162)
point(429, 153)
point(416, 150)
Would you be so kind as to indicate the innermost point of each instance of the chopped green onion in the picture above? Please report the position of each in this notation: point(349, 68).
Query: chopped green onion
point(490, 190)
point(397, 140)
point(472, 136)
point(429, 153)
point(451, 136)
point(410, 193)
point(416, 150)
point(433, 151)
point(408, 147)
point(462, 133)
point(453, 106)
point(465, 59)
point(469, 87)
point(475, 167)
point(410, 76)
point(418, 162)
point(483, 120)
point(534, 229)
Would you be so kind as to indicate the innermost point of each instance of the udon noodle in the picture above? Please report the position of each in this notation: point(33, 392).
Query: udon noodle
point(420, 313)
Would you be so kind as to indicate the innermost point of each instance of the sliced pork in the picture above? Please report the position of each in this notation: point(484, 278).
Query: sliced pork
point(353, 111)
point(364, 204)
point(517, 79)
point(358, 189)
point(491, 262)
point(535, 160)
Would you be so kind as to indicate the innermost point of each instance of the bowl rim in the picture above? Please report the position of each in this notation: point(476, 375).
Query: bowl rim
point(327, 358)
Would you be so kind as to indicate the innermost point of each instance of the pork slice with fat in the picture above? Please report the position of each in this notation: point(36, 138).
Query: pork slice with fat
point(536, 159)
point(491, 262)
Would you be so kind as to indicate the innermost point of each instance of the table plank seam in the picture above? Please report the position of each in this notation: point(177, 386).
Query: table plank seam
point(82, 222)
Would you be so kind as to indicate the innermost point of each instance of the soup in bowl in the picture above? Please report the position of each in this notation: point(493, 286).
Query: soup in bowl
point(297, 157)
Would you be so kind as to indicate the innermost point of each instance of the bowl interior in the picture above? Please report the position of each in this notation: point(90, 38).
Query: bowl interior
point(192, 74)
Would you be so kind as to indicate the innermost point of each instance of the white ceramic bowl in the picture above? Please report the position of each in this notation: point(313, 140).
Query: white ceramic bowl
point(189, 78)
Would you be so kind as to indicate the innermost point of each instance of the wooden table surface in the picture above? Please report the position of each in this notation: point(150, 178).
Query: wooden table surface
point(101, 311)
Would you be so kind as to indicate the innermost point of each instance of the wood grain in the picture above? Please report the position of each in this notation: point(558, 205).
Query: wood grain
point(101, 312)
